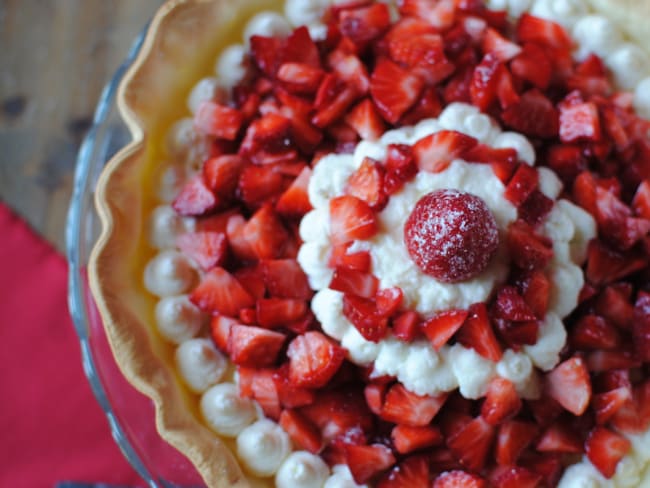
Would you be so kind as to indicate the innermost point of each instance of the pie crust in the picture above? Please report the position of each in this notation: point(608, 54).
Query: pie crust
point(180, 47)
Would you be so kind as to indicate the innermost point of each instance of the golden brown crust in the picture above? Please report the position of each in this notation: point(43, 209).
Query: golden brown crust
point(173, 51)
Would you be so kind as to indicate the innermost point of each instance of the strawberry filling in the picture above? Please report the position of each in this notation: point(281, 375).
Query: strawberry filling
point(304, 100)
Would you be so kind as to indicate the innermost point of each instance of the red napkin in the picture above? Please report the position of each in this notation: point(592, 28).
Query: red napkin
point(51, 427)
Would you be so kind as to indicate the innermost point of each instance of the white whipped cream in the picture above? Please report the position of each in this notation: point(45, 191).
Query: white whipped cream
point(206, 89)
point(200, 364)
point(302, 469)
point(232, 65)
point(225, 411)
point(185, 146)
point(267, 24)
point(178, 319)
point(169, 273)
point(262, 447)
point(165, 225)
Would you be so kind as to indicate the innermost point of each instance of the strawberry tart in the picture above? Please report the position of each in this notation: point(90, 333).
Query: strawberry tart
point(388, 244)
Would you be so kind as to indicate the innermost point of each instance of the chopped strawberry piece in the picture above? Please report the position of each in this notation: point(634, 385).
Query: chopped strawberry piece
point(216, 222)
point(291, 396)
point(394, 90)
point(440, 14)
point(459, 479)
point(388, 301)
point(253, 346)
point(406, 326)
point(516, 334)
point(527, 249)
point(542, 31)
point(300, 48)
point(411, 472)
point(533, 65)
point(607, 404)
point(265, 234)
point(366, 462)
point(442, 326)
point(266, 53)
point(533, 115)
point(598, 361)
point(510, 305)
point(285, 278)
point(535, 208)
point(277, 312)
point(333, 99)
point(501, 401)
point(435, 152)
point(400, 167)
point(207, 249)
point(407, 438)
point(195, 198)
point(406, 408)
point(641, 201)
point(424, 55)
point(351, 70)
point(476, 333)
point(365, 119)
point(313, 360)
point(302, 432)
point(503, 49)
point(362, 312)
point(239, 245)
point(351, 219)
point(367, 184)
point(513, 437)
point(536, 289)
point(560, 438)
point(641, 326)
point(485, 81)
point(471, 443)
point(579, 122)
point(605, 265)
point(570, 385)
point(218, 120)
point(363, 25)
point(614, 305)
point(605, 449)
point(427, 107)
point(221, 174)
point(258, 384)
point(515, 477)
point(295, 200)
point(259, 183)
point(594, 332)
point(300, 78)
point(521, 185)
point(451, 235)
point(375, 394)
point(220, 330)
point(354, 282)
point(220, 292)
point(358, 260)
point(269, 133)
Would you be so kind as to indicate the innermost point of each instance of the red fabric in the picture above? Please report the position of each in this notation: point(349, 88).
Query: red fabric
point(51, 427)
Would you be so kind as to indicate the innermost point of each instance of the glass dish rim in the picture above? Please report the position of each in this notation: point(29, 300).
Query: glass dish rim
point(76, 301)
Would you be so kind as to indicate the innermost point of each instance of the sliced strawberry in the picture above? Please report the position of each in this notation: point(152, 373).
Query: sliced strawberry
point(406, 325)
point(560, 438)
point(266, 53)
point(598, 361)
point(313, 360)
point(606, 404)
point(458, 479)
point(220, 330)
point(295, 200)
point(501, 401)
point(195, 198)
point(535, 290)
point(527, 249)
point(442, 326)
point(259, 183)
point(535, 208)
point(521, 185)
point(641, 201)
point(285, 278)
point(513, 437)
point(221, 174)
point(302, 432)
point(367, 184)
point(440, 15)
point(258, 384)
point(515, 477)
point(365, 119)
point(300, 78)
point(533, 115)
point(641, 326)
point(354, 282)
point(510, 305)
point(220, 292)
point(217, 222)
point(605, 265)
point(362, 312)
point(366, 462)
point(394, 90)
point(594, 332)
point(503, 49)
point(423, 54)
point(406, 408)
point(333, 99)
point(533, 65)
point(516, 334)
point(407, 438)
point(351, 70)
point(411, 472)
point(435, 152)
point(351, 219)
point(570, 385)
point(542, 31)
point(265, 234)
point(476, 333)
point(268, 133)
point(300, 48)
point(253, 346)
point(375, 394)
point(239, 245)
point(278, 312)
point(471, 443)
point(207, 249)
point(400, 167)
point(339, 257)
point(605, 449)
point(218, 120)
point(579, 122)
point(427, 107)
point(485, 81)
point(363, 25)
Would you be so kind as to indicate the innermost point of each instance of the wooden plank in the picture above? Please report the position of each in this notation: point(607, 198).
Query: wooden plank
point(55, 57)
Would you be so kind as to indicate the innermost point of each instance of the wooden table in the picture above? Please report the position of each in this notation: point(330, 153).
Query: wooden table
point(55, 57)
